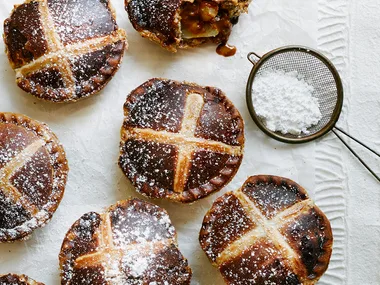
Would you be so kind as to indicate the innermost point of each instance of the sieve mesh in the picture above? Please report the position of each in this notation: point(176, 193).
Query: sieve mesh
point(317, 71)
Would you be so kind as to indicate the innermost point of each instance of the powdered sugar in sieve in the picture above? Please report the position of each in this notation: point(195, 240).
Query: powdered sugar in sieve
point(285, 102)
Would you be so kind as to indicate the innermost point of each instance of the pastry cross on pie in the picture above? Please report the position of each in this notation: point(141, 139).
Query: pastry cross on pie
point(134, 242)
point(57, 69)
point(269, 232)
point(189, 139)
point(185, 140)
point(109, 255)
point(33, 173)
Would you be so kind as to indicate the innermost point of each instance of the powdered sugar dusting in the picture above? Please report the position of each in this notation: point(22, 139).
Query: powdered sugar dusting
point(285, 102)
point(81, 20)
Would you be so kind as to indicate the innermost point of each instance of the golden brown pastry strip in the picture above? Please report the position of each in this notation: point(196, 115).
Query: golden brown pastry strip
point(76, 49)
point(194, 105)
point(237, 247)
point(179, 139)
point(54, 45)
point(293, 211)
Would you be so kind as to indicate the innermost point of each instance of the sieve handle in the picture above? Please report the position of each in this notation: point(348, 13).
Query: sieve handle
point(250, 58)
point(353, 152)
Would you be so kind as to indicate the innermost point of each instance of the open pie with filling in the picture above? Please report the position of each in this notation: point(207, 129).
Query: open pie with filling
point(178, 24)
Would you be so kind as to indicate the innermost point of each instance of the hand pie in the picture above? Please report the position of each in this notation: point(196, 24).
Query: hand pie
point(33, 173)
point(176, 24)
point(267, 232)
point(180, 141)
point(63, 50)
point(132, 243)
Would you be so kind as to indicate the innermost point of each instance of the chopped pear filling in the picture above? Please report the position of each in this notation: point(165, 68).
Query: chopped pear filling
point(199, 20)
point(208, 11)
point(207, 32)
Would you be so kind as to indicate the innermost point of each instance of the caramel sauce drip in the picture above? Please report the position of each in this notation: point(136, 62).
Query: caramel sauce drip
point(226, 50)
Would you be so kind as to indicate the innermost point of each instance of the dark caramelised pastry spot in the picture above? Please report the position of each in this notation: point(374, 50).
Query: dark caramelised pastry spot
point(79, 20)
point(168, 266)
point(82, 241)
point(158, 16)
point(205, 165)
point(227, 222)
point(13, 279)
point(82, 233)
point(13, 139)
point(149, 162)
point(92, 70)
point(158, 105)
point(129, 223)
point(307, 236)
point(218, 122)
point(271, 197)
point(11, 214)
point(260, 265)
point(91, 275)
point(35, 178)
point(24, 35)
point(49, 78)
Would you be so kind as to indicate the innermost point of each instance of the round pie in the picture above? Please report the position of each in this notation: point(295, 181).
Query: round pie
point(267, 232)
point(63, 50)
point(178, 24)
point(180, 141)
point(33, 172)
point(13, 279)
point(132, 243)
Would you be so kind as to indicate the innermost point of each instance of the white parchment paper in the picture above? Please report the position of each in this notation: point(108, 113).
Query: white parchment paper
point(89, 131)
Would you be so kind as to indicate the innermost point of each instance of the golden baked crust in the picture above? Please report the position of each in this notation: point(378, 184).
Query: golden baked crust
point(63, 50)
point(13, 279)
point(267, 232)
point(161, 21)
point(33, 173)
point(180, 141)
point(132, 243)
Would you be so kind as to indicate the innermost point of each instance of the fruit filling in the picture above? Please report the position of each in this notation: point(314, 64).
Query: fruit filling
point(205, 19)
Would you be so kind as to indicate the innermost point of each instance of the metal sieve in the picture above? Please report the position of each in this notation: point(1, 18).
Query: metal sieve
point(318, 71)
